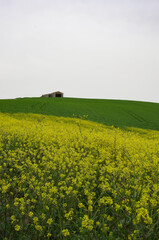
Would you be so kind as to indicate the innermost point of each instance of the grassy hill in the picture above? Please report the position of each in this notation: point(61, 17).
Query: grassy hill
point(119, 113)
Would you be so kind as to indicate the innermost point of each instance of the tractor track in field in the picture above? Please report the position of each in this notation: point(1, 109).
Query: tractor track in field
point(137, 117)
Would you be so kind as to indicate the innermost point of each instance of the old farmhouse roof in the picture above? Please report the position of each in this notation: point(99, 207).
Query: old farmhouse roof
point(54, 94)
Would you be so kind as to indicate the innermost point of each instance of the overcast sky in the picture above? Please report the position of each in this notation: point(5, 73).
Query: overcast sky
point(85, 48)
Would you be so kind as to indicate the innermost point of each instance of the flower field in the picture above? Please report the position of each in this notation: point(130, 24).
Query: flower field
point(64, 178)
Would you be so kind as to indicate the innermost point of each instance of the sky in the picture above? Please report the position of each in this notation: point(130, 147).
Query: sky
point(105, 49)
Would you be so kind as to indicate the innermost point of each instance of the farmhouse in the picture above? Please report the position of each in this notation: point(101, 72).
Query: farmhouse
point(54, 94)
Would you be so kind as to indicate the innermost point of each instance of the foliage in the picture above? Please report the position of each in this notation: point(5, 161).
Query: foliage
point(64, 178)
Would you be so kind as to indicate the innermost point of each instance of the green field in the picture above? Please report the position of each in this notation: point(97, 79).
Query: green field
point(119, 113)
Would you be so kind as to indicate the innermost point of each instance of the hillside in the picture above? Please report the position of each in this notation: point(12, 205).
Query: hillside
point(119, 113)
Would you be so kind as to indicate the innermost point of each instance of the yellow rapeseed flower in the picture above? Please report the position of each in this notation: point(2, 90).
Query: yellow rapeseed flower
point(17, 228)
point(65, 232)
point(49, 221)
point(31, 214)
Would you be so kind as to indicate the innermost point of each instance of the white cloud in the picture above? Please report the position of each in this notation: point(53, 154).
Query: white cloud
point(106, 49)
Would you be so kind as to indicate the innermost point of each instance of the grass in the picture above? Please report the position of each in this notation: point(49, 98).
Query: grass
point(119, 113)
